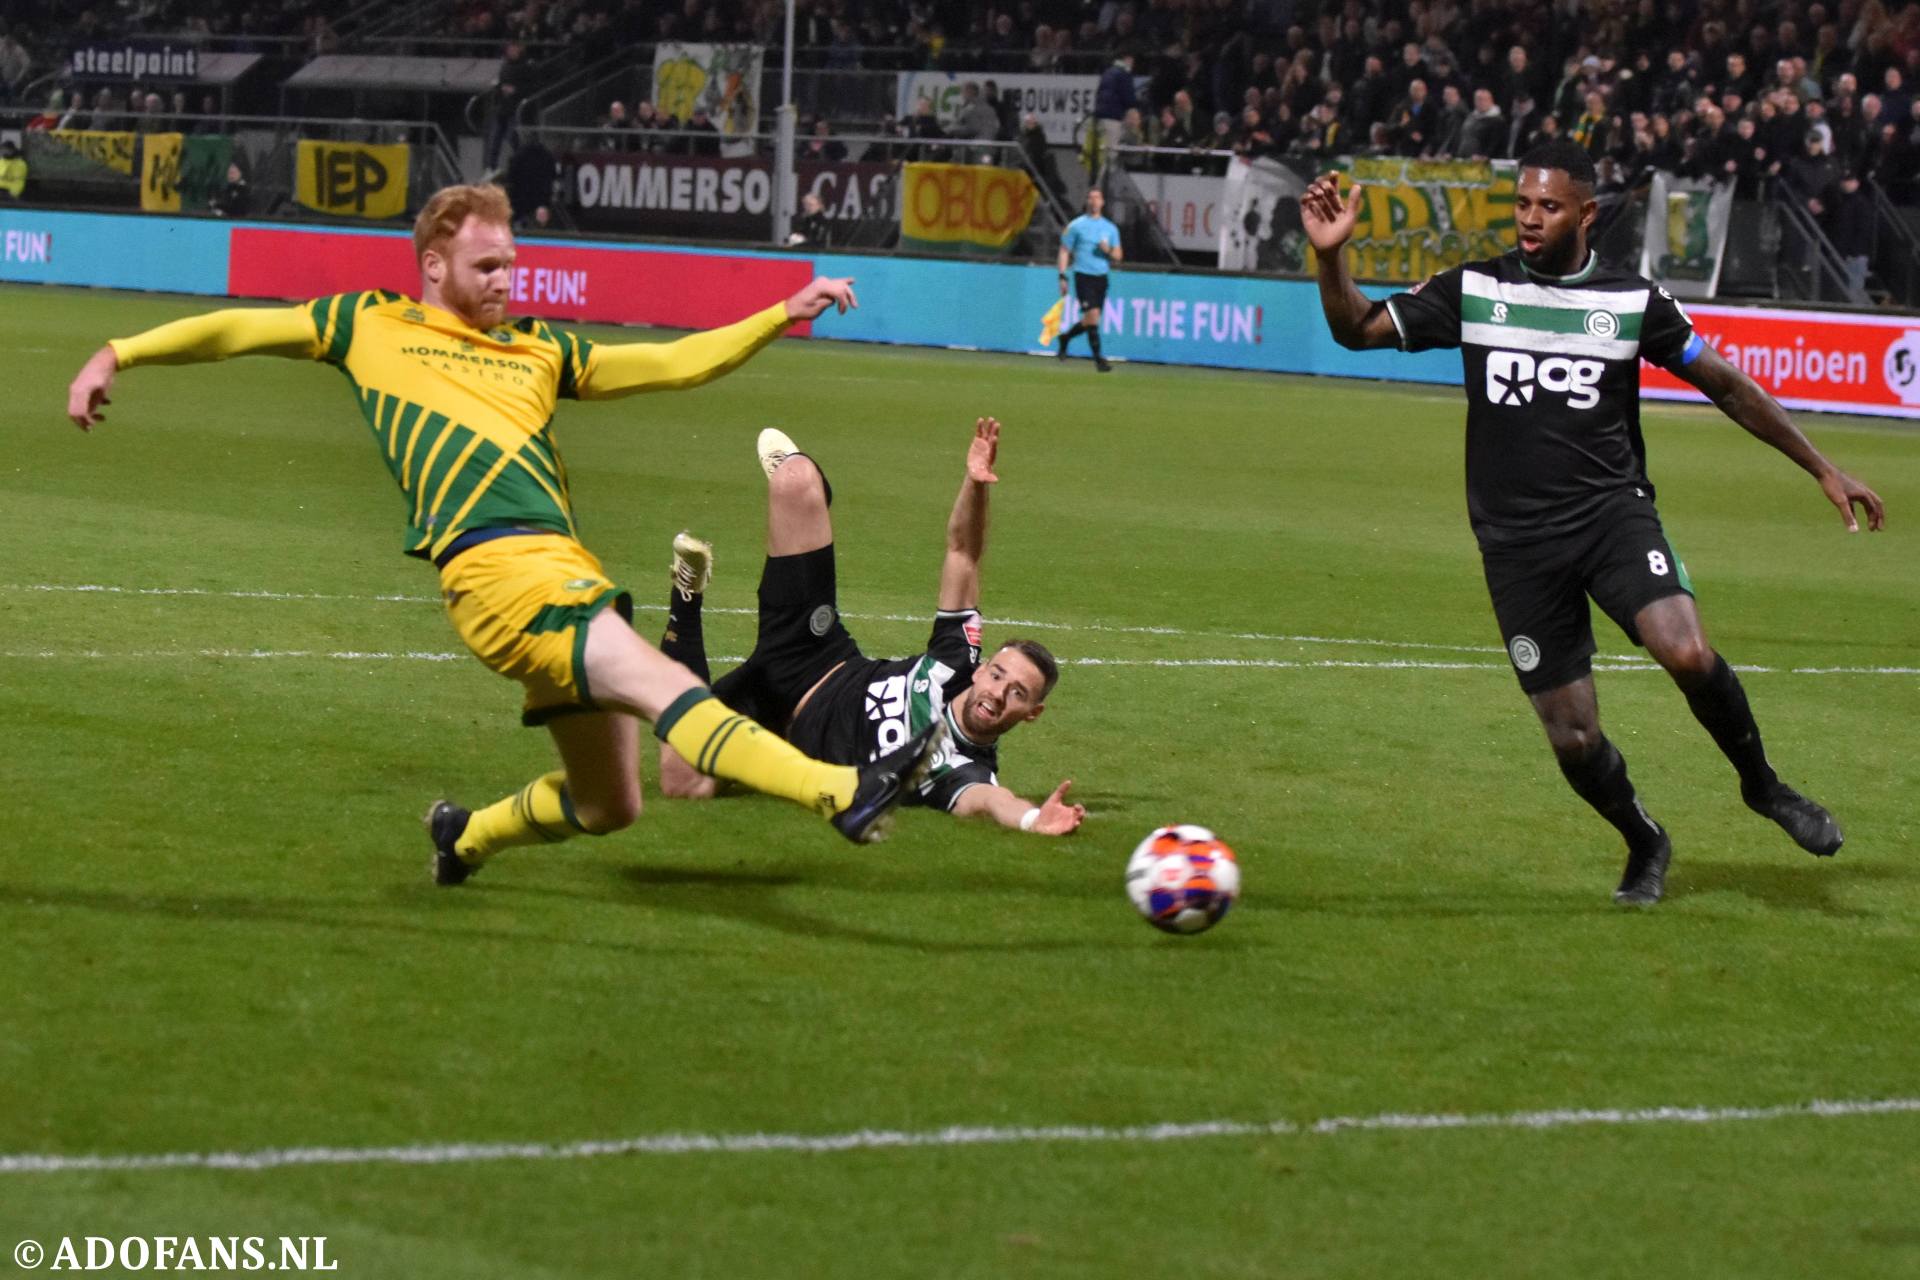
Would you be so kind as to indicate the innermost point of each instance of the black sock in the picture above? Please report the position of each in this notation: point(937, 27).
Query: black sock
point(1600, 778)
point(1093, 340)
point(1720, 704)
point(684, 641)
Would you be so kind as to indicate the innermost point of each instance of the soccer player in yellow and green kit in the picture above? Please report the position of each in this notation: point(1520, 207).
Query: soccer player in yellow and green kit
point(460, 403)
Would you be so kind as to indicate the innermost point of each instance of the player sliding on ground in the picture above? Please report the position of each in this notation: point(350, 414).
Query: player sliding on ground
point(460, 403)
point(1557, 485)
point(807, 680)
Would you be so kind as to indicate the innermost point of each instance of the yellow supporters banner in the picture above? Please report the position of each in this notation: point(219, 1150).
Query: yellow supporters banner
point(973, 207)
point(160, 172)
point(114, 150)
point(352, 180)
point(1418, 217)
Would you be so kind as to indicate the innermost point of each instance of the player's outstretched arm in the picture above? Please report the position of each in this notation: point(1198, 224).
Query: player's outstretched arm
point(967, 525)
point(1054, 816)
point(1742, 399)
point(622, 369)
point(217, 335)
point(1357, 321)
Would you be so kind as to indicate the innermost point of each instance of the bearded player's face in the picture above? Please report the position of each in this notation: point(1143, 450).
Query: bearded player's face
point(1551, 214)
point(476, 268)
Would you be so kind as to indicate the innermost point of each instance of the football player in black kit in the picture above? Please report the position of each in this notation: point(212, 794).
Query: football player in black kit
point(1551, 341)
point(808, 681)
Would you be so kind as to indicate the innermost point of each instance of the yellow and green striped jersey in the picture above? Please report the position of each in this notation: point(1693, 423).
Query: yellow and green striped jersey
point(463, 418)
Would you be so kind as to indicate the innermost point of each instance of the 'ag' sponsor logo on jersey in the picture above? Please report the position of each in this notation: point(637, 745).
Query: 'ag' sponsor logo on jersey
point(1513, 375)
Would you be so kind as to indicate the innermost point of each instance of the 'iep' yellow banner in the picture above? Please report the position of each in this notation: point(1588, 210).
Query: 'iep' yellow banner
point(966, 205)
point(160, 172)
point(349, 179)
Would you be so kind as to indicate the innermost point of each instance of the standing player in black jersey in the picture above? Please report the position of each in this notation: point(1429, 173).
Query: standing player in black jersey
point(808, 681)
point(1557, 489)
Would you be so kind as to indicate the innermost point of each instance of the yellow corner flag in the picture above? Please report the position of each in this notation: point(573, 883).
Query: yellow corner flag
point(1050, 322)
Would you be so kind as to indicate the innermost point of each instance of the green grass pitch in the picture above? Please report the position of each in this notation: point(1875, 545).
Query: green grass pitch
point(219, 935)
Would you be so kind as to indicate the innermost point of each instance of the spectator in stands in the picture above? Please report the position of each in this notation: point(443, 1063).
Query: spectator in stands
point(926, 127)
point(1484, 134)
point(1113, 99)
point(1813, 178)
point(13, 171)
point(975, 121)
point(822, 147)
point(1005, 108)
point(618, 126)
point(812, 226)
point(1371, 97)
point(530, 178)
point(1449, 124)
point(1413, 119)
point(647, 123)
point(1738, 79)
point(1594, 129)
point(15, 64)
point(1321, 137)
point(153, 115)
point(1171, 132)
point(703, 136)
point(1254, 140)
point(1745, 160)
point(1521, 129)
point(1043, 57)
point(1033, 145)
point(235, 198)
point(106, 114)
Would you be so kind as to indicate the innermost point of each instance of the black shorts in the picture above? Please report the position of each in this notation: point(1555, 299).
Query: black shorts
point(1621, 558)
point(800, 639)
point(1090, 290)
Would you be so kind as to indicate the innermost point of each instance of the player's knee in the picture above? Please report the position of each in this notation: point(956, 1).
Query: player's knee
point(1573, 741)
point(797, 480)
point(604, 815)
point(1689, 659)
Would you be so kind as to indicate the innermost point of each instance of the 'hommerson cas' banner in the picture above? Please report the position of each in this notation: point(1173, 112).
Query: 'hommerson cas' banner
point(714, 199)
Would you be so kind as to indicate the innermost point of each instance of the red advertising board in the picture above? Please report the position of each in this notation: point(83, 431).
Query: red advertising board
point(552, 281)
point(1822, 360)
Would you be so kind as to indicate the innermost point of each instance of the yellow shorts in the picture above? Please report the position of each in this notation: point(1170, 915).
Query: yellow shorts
point(522, 604)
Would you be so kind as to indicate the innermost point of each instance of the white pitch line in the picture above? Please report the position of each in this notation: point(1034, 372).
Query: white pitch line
point(1037, 624)
point(1604, 665)
point(677, 1144)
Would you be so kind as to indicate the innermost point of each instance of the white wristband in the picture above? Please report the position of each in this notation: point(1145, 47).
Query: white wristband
point(1030, 819)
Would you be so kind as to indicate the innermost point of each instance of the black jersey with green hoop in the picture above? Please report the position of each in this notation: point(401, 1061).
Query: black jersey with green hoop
point(871, 706)
point(1552, 370)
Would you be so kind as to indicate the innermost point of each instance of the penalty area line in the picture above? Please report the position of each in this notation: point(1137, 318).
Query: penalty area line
point(678, 1144)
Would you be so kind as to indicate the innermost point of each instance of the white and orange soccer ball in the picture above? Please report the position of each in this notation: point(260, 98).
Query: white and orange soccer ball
point(1183, 878)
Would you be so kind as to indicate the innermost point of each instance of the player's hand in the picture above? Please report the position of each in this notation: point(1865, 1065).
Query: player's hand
point(1329, 220)
point(983, 450)
point(1063, 285)
point(824, 292)
point(1057, 817)
point(1843, 491)
point(88, 391)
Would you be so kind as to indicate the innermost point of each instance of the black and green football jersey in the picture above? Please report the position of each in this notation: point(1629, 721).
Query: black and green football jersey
point(1552, 370)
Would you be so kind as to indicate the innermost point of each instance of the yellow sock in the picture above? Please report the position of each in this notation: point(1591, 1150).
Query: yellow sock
point(725, 744)
point(538, 813)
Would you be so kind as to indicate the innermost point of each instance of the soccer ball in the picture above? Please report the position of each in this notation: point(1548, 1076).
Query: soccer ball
point(1183, 878)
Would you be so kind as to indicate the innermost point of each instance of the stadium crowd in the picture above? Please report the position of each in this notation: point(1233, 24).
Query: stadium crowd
point(1815, 93)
